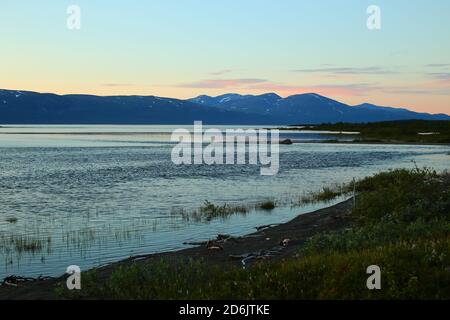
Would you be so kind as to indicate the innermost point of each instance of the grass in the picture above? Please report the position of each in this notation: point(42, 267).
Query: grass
point(21, 244)
point(412, 270)
point(403, 196)
point(327, 194)
point(29, 245)
point(401, 223)
point(267, 205)
point(210, 211)
point(16, 246)
point(12, 220)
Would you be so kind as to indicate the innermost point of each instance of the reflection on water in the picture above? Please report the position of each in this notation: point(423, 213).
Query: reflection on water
point(89, 195)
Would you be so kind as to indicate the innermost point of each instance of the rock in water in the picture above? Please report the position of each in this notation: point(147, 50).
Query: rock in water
point(286, 141)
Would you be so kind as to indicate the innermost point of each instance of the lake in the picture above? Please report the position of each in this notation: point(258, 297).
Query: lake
point(92, 195)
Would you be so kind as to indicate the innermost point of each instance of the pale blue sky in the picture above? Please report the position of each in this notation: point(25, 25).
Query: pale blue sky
point(182, 48)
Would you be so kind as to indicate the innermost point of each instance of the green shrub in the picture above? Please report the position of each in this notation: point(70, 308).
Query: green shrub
point(375, 235)
point(268, 205)
point(403, 195)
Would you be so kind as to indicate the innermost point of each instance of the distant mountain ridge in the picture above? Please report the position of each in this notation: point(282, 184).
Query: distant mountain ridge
point(26, 107)
point(310, 108)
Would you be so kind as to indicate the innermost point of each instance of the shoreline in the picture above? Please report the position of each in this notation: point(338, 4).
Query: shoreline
point(272, 242)
point(317, 141)
point(394, 143)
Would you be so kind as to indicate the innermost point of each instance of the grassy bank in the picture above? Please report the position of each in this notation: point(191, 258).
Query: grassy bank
point(401, 223)
point(411, 131)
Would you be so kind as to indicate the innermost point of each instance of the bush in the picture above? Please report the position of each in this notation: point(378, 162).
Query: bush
point(403, 195)
point(268, 205)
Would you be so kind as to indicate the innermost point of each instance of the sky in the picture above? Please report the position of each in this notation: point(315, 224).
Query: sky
point(184, 48)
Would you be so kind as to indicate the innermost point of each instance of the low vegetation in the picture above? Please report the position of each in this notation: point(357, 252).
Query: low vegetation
point(268, 205)
point(210, 211)
point(401, 223)
point(21, 244)
point(12, 220)
point(412, 270)
point(413, 131)
point(325, 195)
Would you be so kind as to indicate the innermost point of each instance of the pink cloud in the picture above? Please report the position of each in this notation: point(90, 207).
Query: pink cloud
point(354, 89)
point(255, 84)
point(222, 83)
point(220, 72)
point(440, 86)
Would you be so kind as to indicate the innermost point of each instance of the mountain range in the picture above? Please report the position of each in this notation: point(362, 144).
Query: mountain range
point(25, 107)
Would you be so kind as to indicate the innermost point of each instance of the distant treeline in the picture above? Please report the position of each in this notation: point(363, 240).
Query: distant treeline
point(403, 131)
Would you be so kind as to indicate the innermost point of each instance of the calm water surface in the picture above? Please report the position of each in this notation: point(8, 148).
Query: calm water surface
point(91, 195)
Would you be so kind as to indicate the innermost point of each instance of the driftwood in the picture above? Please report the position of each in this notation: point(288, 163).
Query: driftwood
point(15, 281)
point(202, 243)
point(253, 236)
point(246, 258)
point(267, 226)
point(212, 245)
point(221, 238)
point(285, 242)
